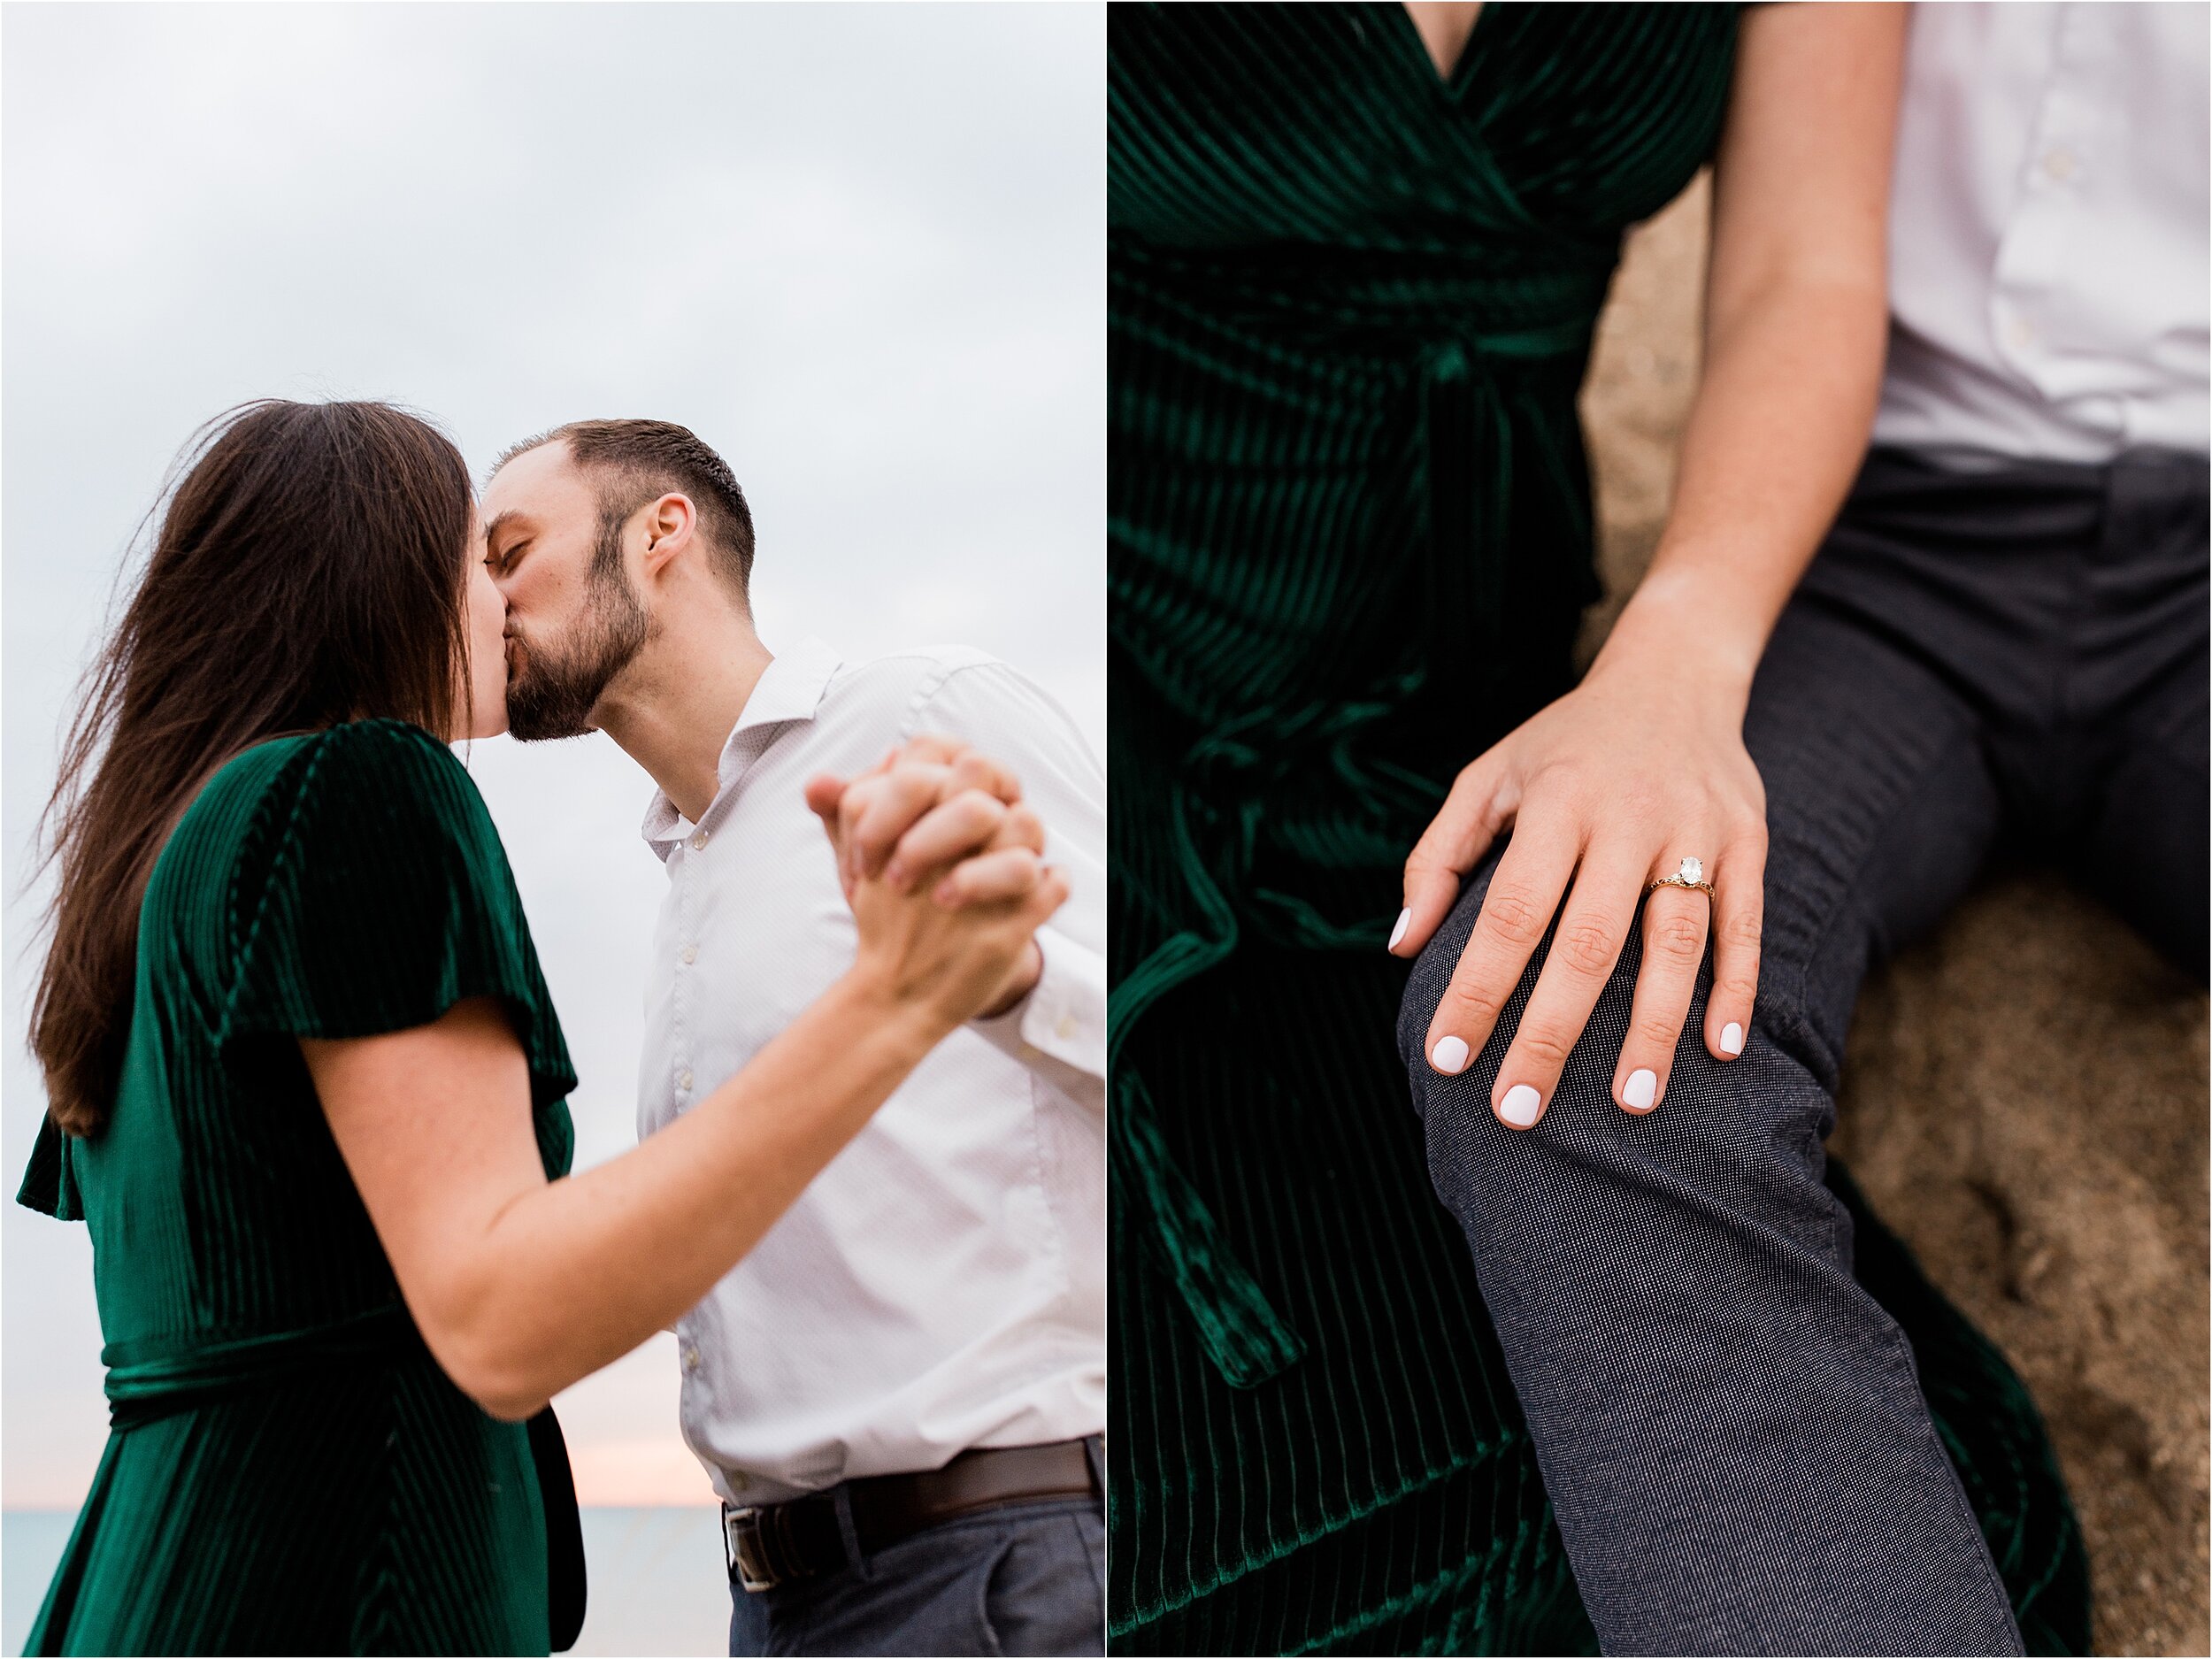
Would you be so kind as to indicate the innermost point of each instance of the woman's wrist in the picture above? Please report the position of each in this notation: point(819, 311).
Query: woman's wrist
point(1694, 628)
point(871, 1005)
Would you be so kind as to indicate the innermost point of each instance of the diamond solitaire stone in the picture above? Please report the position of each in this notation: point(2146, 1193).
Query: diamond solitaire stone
point(1693, 870)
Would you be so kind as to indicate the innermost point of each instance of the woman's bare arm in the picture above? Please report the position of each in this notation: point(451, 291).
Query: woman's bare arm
point(1644, 762)
point(521, 1287)
point(1796, 314)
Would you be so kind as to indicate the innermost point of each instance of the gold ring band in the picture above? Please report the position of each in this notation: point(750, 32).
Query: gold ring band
point(1691, 874)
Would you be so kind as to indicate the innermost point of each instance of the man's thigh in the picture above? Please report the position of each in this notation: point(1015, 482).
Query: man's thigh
point(1881, 810)
point(1673, 1293)
point(2144, 677)
point(2150, 835)
point(1026, 1579)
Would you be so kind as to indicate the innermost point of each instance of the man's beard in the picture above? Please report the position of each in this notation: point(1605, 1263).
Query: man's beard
point(551, 693)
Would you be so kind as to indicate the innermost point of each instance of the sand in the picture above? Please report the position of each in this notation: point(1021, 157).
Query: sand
point(2026, 1094)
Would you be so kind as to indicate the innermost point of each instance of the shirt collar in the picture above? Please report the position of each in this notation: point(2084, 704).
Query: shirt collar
point(789, 690)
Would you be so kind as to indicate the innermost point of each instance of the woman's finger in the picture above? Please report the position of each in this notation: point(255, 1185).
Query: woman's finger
point(967, 768)
point(1452, 845)
point(1032, 909)
point(974, 769)
point(1011, 872)
point(970, 822)
point(1020, 828)
point(1676, 922)
point(1738, 918)
point(1585, 948)
point(877, 810)
point(955, 828)
point(1051, 893)
point(825, 793)
point(930, 749)
point(1522, 896)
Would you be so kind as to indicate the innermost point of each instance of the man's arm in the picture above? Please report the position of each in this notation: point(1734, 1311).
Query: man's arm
point(992, 761)
point(1059, 1030)
point(523, 1285)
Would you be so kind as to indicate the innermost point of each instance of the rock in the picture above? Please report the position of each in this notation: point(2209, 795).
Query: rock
point(2024, 1104)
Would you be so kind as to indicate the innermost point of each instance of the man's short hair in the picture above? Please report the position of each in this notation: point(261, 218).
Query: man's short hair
point(639, 461)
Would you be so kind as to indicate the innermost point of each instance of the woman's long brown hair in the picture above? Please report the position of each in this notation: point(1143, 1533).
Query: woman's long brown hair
point(310, 568)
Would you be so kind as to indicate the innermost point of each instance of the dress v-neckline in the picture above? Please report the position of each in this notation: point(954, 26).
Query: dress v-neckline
point(1451, 83)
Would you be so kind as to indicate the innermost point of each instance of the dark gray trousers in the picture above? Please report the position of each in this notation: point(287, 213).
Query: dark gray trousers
point(1732, 1432)
point(1021, 1579)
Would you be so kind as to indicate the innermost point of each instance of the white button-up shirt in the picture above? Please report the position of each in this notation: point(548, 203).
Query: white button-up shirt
point(2048, 223)
point(941, 1285)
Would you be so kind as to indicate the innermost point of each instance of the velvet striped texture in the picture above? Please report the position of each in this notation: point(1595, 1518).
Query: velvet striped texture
point(290, 1472)
point(1350, 303)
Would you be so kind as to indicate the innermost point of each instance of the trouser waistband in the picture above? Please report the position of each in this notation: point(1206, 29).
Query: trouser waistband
point(771, 1545)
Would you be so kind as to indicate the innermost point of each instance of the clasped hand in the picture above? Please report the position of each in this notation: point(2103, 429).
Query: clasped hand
point(944, 867)
point(1606, 791)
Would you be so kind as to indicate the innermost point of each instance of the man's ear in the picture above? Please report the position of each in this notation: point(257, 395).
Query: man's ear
point(670, 524)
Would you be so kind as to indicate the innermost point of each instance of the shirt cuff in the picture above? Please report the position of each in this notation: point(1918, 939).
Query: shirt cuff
point(1058, 1031)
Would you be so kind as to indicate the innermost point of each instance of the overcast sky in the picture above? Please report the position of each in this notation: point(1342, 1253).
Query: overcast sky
point(860, 249)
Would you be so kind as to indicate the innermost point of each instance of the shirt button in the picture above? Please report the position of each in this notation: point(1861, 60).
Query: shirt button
point(738, 1480)
point(691, 1359)
point(2058, 164)
point(691, 953)
point(1066, 1027)
point(683, 1080)
point(698, 839)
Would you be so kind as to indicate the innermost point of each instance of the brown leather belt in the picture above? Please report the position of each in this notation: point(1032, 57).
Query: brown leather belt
point(777, 1543)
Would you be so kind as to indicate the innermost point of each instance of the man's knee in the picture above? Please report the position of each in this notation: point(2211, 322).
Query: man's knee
point(1581, 1113)
point(1739, 1139)
point(1589, 1065)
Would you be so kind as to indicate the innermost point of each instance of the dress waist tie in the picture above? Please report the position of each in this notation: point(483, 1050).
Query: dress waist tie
point(157, 1377)
point(1464, 444)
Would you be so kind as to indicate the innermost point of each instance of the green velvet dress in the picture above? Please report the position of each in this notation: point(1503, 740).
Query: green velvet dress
point(290, 1470)
point(1350, 303)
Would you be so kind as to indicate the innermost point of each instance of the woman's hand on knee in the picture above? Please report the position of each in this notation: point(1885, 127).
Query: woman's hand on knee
point(1606, 791)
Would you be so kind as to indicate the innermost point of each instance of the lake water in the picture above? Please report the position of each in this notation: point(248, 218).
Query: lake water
point(656, 1575)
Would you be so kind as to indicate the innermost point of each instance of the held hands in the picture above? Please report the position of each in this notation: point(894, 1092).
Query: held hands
point(1608, 789)
point(942, 866)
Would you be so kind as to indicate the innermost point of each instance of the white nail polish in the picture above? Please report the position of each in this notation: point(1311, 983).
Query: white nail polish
point(1732, 1038)
point(1639, 1088)
point(1405, 920)
point(1449, 1056)
point(1522, 1106)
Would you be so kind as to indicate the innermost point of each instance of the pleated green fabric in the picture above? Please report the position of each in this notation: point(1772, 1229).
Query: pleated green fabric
point(1350, 305)
point(290, 1471)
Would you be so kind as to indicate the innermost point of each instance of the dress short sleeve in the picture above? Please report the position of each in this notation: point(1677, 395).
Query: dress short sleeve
point(49, 1186)
point(374, 894)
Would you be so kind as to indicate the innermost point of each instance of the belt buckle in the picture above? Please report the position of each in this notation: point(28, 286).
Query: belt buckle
point(744, 1549)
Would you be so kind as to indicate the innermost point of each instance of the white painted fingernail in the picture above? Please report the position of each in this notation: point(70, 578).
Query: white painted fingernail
point(1640, 1087)
point(1405, 920)
point(1522, 1106)
point(1449, 1056)
point(1732, 1038)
